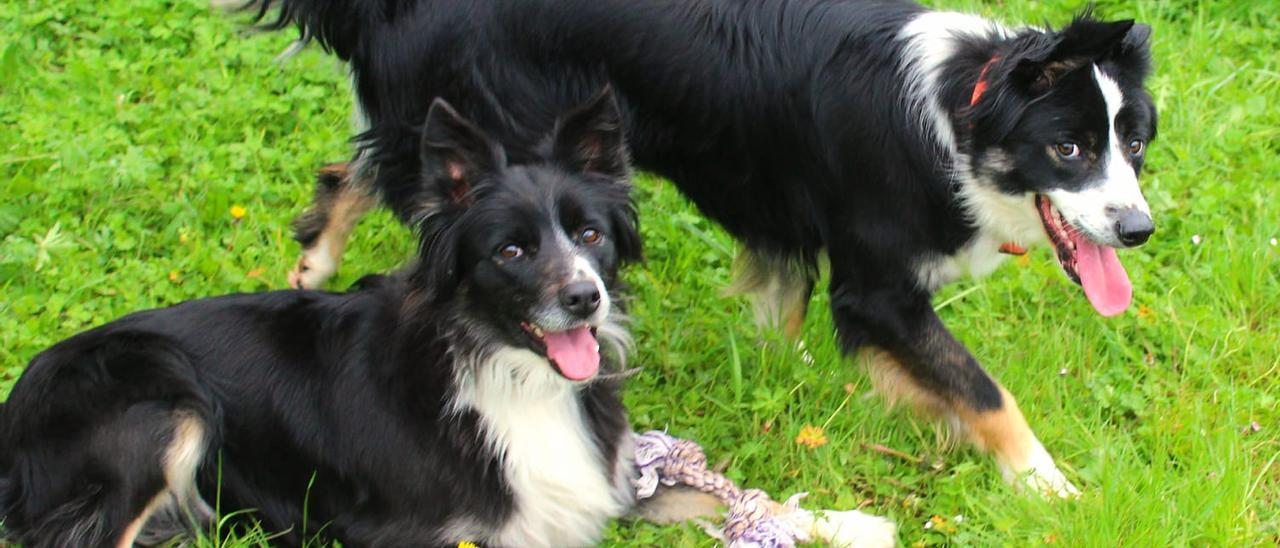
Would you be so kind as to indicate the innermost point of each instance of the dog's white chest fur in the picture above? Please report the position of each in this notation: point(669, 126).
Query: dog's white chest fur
point(531, 417)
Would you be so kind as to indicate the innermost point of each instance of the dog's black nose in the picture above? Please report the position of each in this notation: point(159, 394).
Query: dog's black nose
point(1133, 227)
point(580, 298)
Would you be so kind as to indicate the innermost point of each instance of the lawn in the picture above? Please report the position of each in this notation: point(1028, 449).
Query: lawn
point(152, 151)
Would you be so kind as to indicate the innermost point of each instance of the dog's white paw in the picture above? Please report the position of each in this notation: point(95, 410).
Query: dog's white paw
point(314, 268)
point(1051, 483)
point(1041, 475)
point(855, 529)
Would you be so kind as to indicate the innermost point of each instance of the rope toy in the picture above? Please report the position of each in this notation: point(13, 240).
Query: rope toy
point(754, 520)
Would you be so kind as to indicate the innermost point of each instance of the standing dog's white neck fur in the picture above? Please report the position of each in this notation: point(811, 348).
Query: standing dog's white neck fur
point(532, 419)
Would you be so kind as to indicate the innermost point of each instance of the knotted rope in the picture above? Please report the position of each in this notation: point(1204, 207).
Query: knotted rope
point(754, 519)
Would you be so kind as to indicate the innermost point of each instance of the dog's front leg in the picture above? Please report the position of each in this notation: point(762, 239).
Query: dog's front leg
point(915, 359)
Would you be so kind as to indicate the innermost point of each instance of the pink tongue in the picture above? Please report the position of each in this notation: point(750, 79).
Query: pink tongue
point(1105, 282)
point(575, 352)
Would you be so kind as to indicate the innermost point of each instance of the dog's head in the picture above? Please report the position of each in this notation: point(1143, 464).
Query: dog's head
point(1060, 135)
point(525, 254)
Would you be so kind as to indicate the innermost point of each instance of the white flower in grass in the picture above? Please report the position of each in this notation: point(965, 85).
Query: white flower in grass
point(1274, 242)
point(1195, 239)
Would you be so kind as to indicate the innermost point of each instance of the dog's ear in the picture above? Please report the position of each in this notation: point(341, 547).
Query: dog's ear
point(1133, 55)
point(1045, 58)
point(1138, 38)
point(590, 138)
point(455, 155)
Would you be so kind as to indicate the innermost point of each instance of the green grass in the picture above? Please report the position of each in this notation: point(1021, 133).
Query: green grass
point(130, 129)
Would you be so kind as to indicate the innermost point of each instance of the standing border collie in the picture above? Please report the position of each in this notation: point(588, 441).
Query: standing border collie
point(460, 400)
point(910, 146)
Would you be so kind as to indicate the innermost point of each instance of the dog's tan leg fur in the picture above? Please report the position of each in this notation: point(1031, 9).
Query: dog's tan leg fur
point(131, 532)
point(677, 504)
point(325, 228)
point(1002, 432)
point(181, 460)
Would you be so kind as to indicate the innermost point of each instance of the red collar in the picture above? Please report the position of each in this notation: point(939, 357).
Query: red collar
point(1008, 248)
point(981, 87)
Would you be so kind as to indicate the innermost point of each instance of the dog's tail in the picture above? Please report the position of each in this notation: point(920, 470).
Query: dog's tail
point(338, 25)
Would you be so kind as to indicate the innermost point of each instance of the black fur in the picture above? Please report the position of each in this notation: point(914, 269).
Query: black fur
point(351, 407)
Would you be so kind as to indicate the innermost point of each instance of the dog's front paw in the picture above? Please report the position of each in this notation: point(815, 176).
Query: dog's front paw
point(1051, 483)
point(1040, 473)
point(312, 271)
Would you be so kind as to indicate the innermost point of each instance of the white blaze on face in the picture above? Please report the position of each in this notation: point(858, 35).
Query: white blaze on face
point(582, 270)
point(550, 316)
point(1088, 209)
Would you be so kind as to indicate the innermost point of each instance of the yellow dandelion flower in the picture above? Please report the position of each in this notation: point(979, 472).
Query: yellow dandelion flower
point(173, 275)
point(812, 437)
point(238, 211)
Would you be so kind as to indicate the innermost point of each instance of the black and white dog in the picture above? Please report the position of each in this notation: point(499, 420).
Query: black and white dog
point(463, 399)
point(909, 146)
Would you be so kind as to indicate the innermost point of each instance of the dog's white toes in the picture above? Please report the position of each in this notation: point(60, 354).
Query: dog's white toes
point(312, 271)
point(854, 529)
point(1051, 483)
point(1039, 472)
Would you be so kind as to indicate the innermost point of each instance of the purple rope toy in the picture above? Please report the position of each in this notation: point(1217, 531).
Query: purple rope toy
point(754, 520)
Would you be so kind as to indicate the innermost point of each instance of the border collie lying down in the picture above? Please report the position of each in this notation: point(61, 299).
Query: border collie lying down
point(464, 399)
point(909, 146)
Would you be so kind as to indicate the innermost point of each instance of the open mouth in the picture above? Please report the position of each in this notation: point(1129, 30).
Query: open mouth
point(1093, 266)
point(574, 353)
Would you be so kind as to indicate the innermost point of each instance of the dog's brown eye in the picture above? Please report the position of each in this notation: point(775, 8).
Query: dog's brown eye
point(1067, 150)
point(589, 236)
point(1136, 147)
point(510, 251)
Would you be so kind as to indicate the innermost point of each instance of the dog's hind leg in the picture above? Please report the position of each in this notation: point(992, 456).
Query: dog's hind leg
point(342, 197)
point(176, 507)
point(922, 363)
point(123, 471)
point(181, 509)
point(779, 289)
